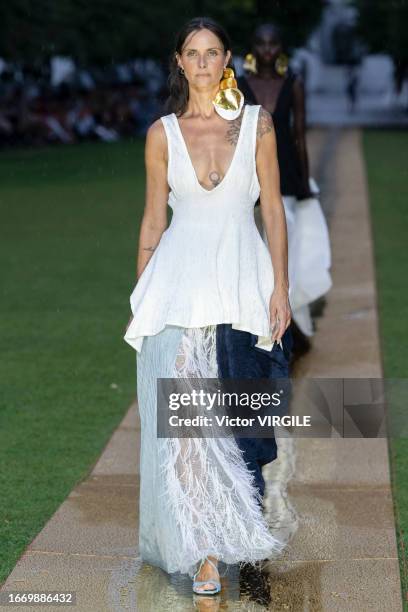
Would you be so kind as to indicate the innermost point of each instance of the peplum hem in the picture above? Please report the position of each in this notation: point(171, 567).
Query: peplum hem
point(134, 336)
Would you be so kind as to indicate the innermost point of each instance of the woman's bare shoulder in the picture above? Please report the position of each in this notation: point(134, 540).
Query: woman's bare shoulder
point(156, 139)
point(156, 131)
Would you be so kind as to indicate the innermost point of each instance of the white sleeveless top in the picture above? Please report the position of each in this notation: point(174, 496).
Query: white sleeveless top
point(211, 265)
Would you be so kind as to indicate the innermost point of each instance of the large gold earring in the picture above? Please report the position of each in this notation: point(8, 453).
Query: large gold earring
point(250, 63)
point(229, 100)
point(282, 64)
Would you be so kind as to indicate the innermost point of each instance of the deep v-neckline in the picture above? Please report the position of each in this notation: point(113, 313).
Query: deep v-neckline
point(232, 162)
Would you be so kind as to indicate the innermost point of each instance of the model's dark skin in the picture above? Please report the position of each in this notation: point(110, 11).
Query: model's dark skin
point(267, 83)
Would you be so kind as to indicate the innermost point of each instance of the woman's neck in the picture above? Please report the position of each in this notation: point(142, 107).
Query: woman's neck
point(200, 104)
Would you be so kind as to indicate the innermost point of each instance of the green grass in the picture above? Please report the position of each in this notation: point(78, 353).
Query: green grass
point(70, 218)
point(386, 156)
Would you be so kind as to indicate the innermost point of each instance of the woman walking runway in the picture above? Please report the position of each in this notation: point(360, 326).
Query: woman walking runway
point(210, 299)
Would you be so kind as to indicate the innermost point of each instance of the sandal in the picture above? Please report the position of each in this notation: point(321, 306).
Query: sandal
point(197, 583)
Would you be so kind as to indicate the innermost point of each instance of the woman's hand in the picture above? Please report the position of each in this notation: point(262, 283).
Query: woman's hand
point(129, 322)
point(280, 312)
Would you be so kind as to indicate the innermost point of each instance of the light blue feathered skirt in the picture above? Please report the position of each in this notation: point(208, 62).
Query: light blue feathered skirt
point(197, 496)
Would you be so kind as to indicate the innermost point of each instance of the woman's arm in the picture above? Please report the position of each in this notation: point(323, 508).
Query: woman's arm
point(299, 133)
point(274, 221)
point(154, 220)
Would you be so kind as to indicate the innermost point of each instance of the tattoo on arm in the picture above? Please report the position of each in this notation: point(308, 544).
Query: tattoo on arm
point(149, 248)
point(265, 123)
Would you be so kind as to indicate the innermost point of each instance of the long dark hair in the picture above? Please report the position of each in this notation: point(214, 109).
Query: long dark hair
point(177, 82)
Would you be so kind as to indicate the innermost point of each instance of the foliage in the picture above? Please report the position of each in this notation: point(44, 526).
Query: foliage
point(102, 31)
point(383, 25)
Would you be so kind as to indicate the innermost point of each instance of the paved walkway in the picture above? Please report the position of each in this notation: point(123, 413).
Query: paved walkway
point(343, 556)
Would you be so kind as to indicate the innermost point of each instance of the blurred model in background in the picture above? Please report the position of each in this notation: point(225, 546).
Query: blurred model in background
point(269, 81)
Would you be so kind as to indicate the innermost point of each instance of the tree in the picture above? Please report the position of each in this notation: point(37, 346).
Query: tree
point(383, 26)
point(103, 31)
